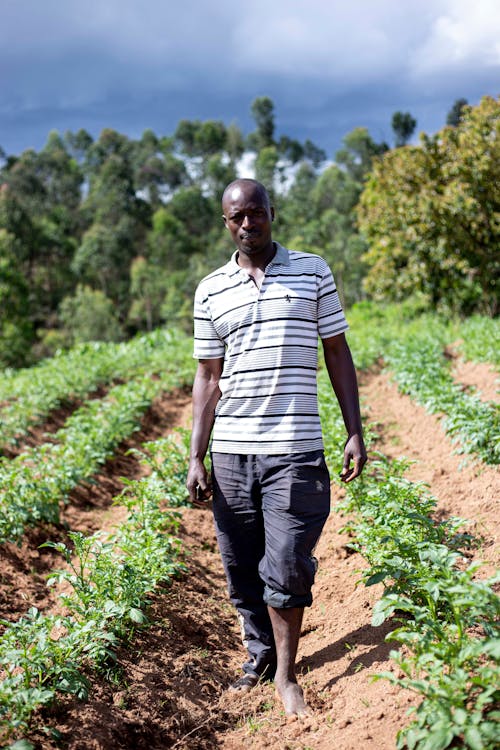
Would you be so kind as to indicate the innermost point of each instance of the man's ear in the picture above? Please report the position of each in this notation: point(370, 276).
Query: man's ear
point(224, 220)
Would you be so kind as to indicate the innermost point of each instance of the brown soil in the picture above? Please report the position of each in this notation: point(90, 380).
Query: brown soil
point(479, 377)
point(168, 690)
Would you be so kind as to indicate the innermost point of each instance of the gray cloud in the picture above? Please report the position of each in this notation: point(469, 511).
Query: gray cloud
point(329, 66)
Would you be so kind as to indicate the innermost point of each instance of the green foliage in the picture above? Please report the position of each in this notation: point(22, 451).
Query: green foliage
point(89, 316)
point(422, 371)
point(168, 458)
point(265, 166)
point(430, 216)
point(147, 291)
point(262, 110)
point(117, 218)
point(480, 339)
point(358, 153)
point(138, 220)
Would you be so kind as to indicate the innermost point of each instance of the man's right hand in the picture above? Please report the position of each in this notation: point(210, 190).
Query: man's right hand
point(198, 483)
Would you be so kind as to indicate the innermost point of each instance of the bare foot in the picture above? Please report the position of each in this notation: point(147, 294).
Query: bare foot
point(244, 684)
point(292, 697)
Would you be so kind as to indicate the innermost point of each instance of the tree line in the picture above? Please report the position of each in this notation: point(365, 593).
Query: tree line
point(102, 238)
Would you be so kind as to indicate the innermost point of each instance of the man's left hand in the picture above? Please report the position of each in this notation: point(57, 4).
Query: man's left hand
point(355, 452)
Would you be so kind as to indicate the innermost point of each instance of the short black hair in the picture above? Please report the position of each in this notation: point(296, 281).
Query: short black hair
point(247, 180)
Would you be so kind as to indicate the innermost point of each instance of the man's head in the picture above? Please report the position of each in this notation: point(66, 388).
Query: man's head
point(248, 215)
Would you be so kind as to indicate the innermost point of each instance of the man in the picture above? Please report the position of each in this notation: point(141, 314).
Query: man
point(257, 321)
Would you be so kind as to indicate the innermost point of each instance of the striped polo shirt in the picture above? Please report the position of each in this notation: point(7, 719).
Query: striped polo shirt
point(268, 338)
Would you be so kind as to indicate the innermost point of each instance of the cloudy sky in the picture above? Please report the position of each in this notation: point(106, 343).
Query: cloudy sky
point(328, 65)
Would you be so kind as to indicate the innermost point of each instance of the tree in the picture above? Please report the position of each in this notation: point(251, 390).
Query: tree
point(117, 219)
point(219, 172)
point(358, 153)
point(430, 216)
point(195, 211)
point(148, 288)
point(235, 143)
point(89, 315)
point(169, 243)
point(185, 136)
point(403, 126)
point(315, 154)
point(454, 116)
point(40, 207)
point(296, 208)
point(157, 172)
point(78, 144)
point(290, 149)
point(265, 167)
point(262, 110)
point(16, 330)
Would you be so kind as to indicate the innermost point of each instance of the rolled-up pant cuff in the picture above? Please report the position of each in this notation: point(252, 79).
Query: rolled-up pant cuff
point(278, 600)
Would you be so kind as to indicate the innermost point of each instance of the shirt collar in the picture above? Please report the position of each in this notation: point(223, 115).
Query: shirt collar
point(281, 258)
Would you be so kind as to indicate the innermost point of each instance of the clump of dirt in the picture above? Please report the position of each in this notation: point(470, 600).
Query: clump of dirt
point(23, 572)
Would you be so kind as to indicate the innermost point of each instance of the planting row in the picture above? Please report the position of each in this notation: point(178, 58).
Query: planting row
point(110, 578)
point(446, 619)
point(33, 484)
point(414, 355)
point(421, 371)
point(27, 396)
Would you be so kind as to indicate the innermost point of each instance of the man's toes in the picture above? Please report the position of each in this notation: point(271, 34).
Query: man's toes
point(244, 684)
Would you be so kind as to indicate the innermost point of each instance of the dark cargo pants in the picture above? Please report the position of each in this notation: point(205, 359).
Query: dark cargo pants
point(269, 513)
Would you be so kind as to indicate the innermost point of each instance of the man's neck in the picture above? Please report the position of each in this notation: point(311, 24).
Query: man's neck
point(257, 262)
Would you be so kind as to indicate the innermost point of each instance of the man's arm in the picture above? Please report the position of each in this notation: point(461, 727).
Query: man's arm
point(206, 394)
point(342, 374)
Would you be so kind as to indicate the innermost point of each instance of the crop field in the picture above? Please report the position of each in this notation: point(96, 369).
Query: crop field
point(115, 628)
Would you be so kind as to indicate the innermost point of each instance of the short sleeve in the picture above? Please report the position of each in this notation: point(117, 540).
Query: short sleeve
point(331, 318)
point(207, 343)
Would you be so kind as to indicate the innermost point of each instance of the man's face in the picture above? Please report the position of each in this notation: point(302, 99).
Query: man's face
point(248, 217)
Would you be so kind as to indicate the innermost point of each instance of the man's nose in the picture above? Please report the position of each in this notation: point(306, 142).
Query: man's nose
point(247, 221)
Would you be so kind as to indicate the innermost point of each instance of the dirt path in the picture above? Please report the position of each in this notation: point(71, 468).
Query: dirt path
point(168, 688)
